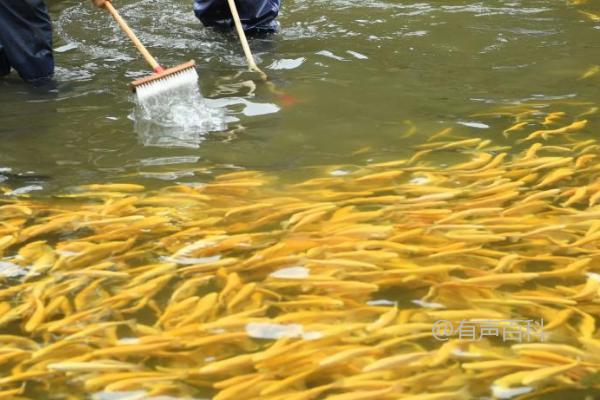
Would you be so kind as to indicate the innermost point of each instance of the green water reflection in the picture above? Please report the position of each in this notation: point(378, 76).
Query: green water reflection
point(361, 73)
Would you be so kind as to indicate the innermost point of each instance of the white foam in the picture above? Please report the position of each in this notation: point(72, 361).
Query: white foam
point(287, 63)
point(508, 393)
point(10, 270)
point(339, 172)
point(329, 54)
point(382, 302)
point(357, 55)
point(261, 330)
point(129, 340)
point(122, 395)
point(593, 276)
point(192, 261)
point(171, 112)
point(419, 180)
point(474, 124)
point(426, 304)
point(291, 273)
point(24, 190)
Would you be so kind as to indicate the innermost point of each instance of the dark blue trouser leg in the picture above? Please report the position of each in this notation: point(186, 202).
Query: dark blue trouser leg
point(4, 65)
point(26, 39)
point(257, 16)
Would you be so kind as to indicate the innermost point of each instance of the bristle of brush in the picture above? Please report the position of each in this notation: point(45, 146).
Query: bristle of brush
point(165, 83)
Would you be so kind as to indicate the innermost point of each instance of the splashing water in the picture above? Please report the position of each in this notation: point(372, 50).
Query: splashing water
point(177, 115)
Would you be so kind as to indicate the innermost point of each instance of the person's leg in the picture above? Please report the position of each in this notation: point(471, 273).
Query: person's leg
point(213, 13)
point(257, 16)
point(26, 36)
point(4, 65)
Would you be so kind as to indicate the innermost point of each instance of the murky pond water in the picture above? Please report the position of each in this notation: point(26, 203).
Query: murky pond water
point(363, 75)
point(417, 163)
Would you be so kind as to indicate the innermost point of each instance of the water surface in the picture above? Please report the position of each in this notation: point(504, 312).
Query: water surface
point(367, 80)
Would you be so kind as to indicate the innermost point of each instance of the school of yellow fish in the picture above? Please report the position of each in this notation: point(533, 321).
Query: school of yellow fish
point(331, 288)
point(249, 288)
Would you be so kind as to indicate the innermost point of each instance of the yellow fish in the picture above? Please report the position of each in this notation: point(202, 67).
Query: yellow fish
point(546, 373)
point(577, 196)
point(362, 395)
point(393, 361)
point(113, 187)
point(553, 118)
point(594, 18)
point(345, 355)
point(244, 360)
point(494, 280)
point(239, 389)
point(574, 127)
point(515, 128)
point(462, 394)
point(555, 176)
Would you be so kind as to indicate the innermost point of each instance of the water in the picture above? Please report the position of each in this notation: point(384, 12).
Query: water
point(354, 83)
point(359, 76)
point(173, 113)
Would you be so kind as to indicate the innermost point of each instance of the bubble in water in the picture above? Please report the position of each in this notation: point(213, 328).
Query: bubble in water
point(176, 117)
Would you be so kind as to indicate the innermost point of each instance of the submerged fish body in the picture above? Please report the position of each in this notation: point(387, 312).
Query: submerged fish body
point(328, 288)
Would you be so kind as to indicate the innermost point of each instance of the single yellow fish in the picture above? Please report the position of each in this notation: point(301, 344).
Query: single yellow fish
point(515, 128)
point(362, 395)
point(594, 18)
point(553, 117)
point(555, 176)
point(546, 373)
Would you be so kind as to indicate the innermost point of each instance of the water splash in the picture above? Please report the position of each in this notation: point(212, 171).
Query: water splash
point(176, 117)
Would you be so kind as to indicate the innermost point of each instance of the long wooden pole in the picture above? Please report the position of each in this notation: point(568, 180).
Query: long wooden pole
point(242, 35)
point(142, 49)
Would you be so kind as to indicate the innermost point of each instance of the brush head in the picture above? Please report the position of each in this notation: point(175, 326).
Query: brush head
point(168, 79)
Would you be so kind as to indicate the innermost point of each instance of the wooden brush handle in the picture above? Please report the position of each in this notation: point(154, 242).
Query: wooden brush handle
point(243, 40)
point(141, 48)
